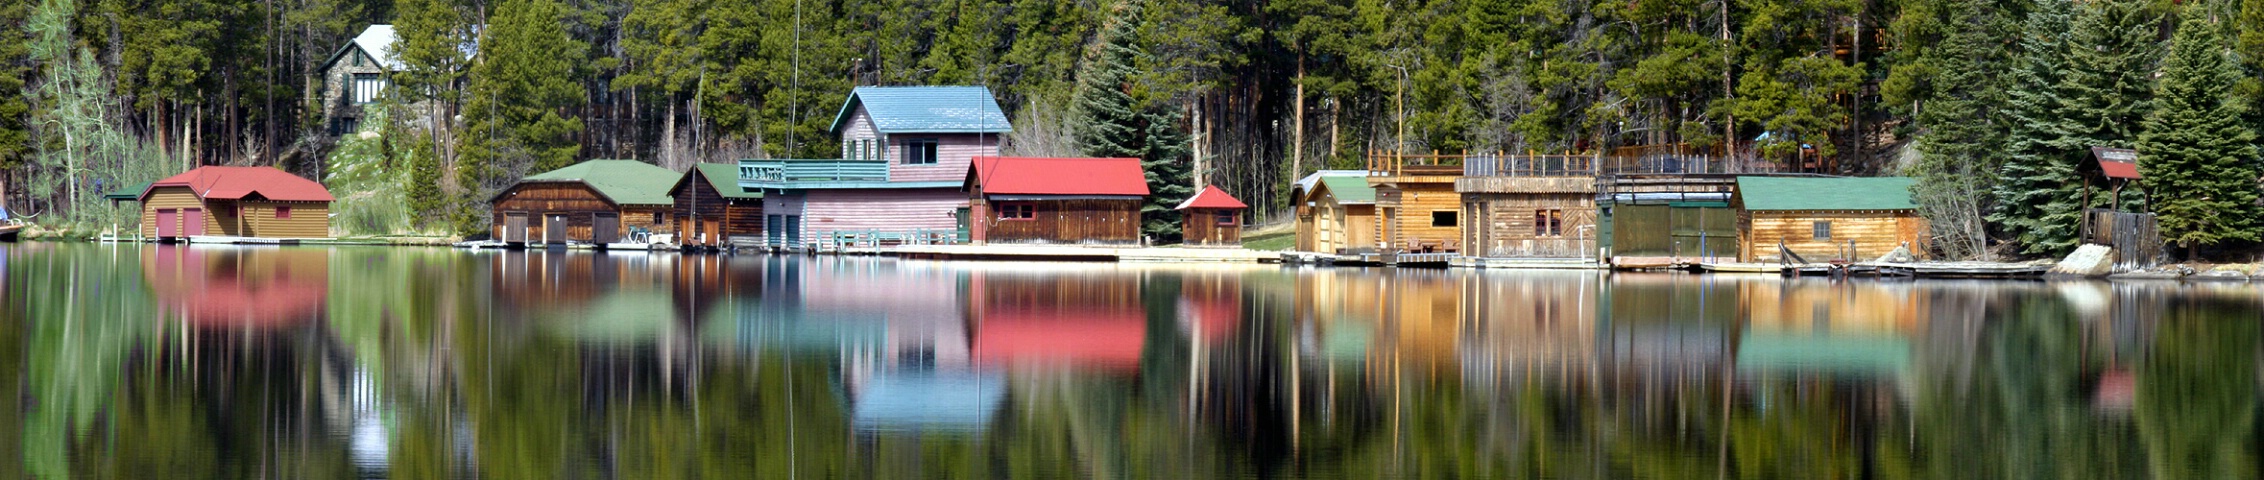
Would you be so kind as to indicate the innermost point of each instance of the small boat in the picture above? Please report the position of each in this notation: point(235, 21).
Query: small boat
point(8, 231)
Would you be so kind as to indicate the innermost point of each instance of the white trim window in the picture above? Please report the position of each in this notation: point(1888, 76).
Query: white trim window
point(365, 88)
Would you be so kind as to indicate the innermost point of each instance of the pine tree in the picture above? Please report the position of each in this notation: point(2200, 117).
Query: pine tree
point(1111, 122)
point(2107, 90)
point(1961, 145)
point(15, 112)
point(2195, 155)
point(514, 110)
point(2038, 194)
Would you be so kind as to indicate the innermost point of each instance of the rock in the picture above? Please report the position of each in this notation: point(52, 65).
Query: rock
point(2088, 261)
point(1901, 254)
point(2225, 273)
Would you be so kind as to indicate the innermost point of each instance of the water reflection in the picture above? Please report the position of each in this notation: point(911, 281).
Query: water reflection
point(203, 362)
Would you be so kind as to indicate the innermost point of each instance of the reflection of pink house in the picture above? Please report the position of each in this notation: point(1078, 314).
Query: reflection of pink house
point(232, 288)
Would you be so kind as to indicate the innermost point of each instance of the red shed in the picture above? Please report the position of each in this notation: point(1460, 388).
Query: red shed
point(1213, 218)
point(1056, 200)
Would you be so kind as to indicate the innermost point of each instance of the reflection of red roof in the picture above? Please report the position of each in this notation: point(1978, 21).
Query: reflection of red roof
point(1110, 339)
point(1058, 176)
point(2116, 169)
point(236, 183)
point(1211, 197)
point(1213, 319)
point(243, 289)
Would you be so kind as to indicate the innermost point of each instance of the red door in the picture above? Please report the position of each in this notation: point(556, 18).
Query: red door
point(192, 222)
point(168, 222)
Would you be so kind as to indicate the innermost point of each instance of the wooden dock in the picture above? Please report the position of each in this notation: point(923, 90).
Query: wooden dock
point(1526, 263)
point(1074, 253)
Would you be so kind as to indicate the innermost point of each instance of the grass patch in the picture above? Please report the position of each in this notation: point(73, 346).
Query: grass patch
point(1272, 242)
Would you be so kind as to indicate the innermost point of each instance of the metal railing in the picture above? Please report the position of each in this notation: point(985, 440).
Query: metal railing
point(796, 170)
point(1619, 161)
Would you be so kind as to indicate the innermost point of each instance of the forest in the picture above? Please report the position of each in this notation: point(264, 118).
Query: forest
point(1992, 103)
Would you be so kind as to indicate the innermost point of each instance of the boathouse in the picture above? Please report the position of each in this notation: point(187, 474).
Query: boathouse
point(712, 209)
point(1342, 212)
point(1417, 206)
point(597, 201)
point(1056, 200)
point(1211, 218)
point(1315, 218)
point(1529, 206)
point(904, 154)
point(256, 202)
point(1826, 219)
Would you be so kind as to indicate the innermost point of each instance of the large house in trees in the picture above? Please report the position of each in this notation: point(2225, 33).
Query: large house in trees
point(355, 75)
point(904, 153)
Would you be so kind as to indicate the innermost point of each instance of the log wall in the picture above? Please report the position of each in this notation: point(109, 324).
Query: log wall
point(1408, 208)
point(701, 210)
point(1505, 224)
point(1874, 233)
point(1204, 226)
point(577, 202)
point(1082, 221)
point(253, 218)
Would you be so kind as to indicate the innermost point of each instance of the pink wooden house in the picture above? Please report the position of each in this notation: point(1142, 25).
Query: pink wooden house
point(905, 152)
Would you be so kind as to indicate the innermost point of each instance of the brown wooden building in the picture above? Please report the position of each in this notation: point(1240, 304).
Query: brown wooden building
point(597, 201)
point(1419, 209)
point(1341, 211)
point(235, 202)
point(1211, 218)
point(1825, 219)
point(1056, 200)
point(1529, 206)
point(711, 207)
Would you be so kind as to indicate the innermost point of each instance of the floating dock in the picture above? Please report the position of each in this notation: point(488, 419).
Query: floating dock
point(1071, 253)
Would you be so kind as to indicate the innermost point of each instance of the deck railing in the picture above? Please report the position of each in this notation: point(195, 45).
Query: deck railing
point(799, 170)
point(1626, 161)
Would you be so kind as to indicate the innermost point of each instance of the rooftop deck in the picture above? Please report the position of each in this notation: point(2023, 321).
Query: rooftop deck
point(784, 171)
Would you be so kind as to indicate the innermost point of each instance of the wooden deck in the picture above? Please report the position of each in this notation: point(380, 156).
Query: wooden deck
point(1073, 253)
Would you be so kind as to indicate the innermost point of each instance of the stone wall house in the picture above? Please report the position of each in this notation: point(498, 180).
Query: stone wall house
point(356, 76)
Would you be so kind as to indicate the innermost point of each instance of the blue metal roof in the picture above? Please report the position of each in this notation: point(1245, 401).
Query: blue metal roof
point(926, 110)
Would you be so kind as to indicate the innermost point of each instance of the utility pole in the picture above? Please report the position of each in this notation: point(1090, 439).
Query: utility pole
point(1399, 145)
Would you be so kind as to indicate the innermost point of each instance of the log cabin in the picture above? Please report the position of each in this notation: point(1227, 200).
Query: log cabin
point(1211, 218)
point(1343, 212)
point(712, 209)
point(1301, 195)
point(1825, 219)
point(904, 151)
point(1528, 206)
point(1417, 206)
point(258, 202)
point(596, 202)
point(1056, 200)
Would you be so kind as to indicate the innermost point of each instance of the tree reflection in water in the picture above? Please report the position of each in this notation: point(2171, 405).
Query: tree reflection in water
point(199, 362)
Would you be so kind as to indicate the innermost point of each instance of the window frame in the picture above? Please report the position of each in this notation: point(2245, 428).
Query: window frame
point(359, 94)
point(922, 151)
point(1227, 218)
point(1017, 212)
point(1453, 218)
point(1820, 230)
point(282, 212)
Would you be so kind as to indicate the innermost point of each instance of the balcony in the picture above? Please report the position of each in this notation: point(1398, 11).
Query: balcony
point(787, 171)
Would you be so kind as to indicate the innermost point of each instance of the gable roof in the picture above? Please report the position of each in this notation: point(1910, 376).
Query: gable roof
point(377, 40)
point(1057, 176)
point(2117, 162)
point(625, 182)
point(1350, 190)
point(237, 183)
point(1306, 184)
point(1822, 193)
point(1211, 197)
point(925, 110)
point(724, 178)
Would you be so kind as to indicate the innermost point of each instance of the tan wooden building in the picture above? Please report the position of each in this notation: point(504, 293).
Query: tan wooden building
point(259, 202)
point(1418, 208)
point(1532, 206)
point(597, 201)
point(1337, 215)
point(1825, 219)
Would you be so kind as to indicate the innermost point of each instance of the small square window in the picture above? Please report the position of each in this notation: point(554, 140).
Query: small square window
point(1017, 211)
point(1823, 230)
point(1548, 223)
point(1226, 218)
point(920, 151)
point(1445, 218)
point(282, 212)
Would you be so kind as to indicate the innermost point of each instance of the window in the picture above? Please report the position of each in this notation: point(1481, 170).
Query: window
point(865, 147)
point(1226, 218)
point(1444, 218)
point(658, 218)
point(345, 125)
point(1824, 230)
point(1017, 211)
point(357, 58)
point(366, 87)
point(282, 212)
point(1548, 223)
point(919, 151)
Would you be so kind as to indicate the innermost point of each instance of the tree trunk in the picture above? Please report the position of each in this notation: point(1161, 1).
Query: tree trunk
point(1297, 125)
point(1729, 93)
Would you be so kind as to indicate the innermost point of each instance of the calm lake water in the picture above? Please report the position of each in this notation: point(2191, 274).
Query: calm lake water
point(220, 362)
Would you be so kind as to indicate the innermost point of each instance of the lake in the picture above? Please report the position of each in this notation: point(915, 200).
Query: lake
point(135, 361)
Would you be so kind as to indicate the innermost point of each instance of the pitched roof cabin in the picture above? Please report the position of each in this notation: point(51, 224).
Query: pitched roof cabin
point(1824, 219)
point(1211, 218)
point(1418, 207)
point(597, 202)
point(712, 209)
point(355, 75)
point(259, 202)
point(1336, 212)
point(904, 152)
point(1056, 200)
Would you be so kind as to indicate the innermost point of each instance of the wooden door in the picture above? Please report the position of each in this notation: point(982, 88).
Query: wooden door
point(1359, 231)
point(515, 227)
point(192, 222)
point(606, 228)
point(554, 228)
point(168, 222)
point(711, 232)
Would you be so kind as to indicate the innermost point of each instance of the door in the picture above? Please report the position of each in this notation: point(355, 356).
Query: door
point(515, 227)
point(168, 223)
point(793, 230)
point(966, 223)
point(192, 222)
point(711, 233)
point(554, 228)
point(1357, 231)
point(606, 228)
point(774, 229)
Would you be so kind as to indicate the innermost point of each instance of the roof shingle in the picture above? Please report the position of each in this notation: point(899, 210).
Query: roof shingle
point(1811, 193)
point(625, 182)
point(952, 109)
point(1058, 176)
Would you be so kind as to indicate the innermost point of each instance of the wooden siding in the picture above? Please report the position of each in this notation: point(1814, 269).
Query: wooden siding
point(1338, 227)
point(1201, 227)
point(579, 204)
point(953, 151)
point(1503, 224)
point(1679, 230)
point(1407, 209)
point(1874, 234)
point(1080, 221)
point(891, 210)
point(252, 218)
point(701, 210)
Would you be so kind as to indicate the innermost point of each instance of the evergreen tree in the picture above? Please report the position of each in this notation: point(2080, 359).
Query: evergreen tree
point(15, 112)
point(514, 110)
point(2038, 194)
point(1961, 146)
point(1111, 122)
point(2195, 155)
point(2107, 90)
